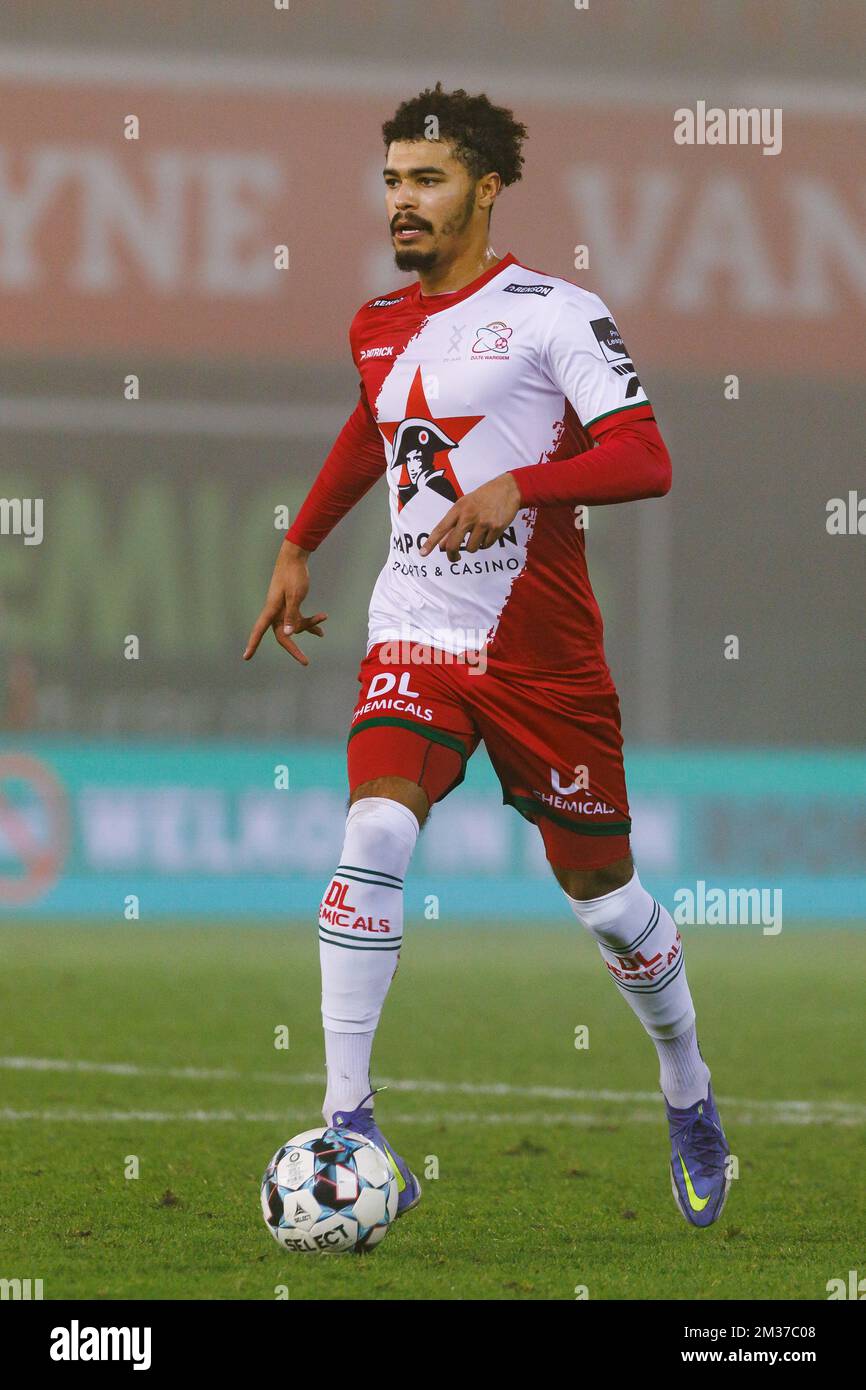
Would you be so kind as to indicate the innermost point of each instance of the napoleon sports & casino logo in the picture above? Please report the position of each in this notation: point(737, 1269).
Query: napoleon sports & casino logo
point(420, 447)
point(337, 911)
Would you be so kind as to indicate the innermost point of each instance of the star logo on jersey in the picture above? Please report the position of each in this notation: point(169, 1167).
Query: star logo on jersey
point(420, 447)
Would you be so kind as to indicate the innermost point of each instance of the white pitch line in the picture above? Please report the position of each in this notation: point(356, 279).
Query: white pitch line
point(118, 1068)
point(280, 1117)
point(533, 1119)
point(781, 1111)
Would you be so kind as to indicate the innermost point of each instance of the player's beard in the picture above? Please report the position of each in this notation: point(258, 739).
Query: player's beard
point(407, 258)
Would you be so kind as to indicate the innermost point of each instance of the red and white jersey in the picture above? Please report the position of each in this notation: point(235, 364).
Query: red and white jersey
point(515, 369)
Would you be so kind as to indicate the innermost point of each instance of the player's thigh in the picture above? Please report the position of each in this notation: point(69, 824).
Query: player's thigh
point(558, 755)
point(410, 732)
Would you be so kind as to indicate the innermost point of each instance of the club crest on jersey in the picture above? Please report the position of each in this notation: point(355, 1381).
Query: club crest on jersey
point(492, 340)
point(416, 444)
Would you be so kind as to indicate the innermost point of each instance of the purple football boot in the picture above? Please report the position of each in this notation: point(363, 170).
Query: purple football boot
point(361, 1121)
point(699, 1151)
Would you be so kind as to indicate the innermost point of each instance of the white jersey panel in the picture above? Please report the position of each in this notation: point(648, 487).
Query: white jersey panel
point(480, 389)
point(586, 357)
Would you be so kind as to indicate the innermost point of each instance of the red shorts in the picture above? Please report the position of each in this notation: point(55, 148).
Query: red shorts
point(556, 750)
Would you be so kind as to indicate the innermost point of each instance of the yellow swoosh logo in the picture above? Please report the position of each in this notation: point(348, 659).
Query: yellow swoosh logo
point(401, 1181)
point(695, 1202)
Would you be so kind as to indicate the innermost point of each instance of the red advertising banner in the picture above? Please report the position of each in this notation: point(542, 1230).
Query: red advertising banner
point(713, 257)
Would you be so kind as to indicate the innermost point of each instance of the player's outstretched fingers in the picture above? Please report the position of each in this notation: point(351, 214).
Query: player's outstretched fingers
point(440, 530)
point(260, 627)
point(282, 632)
point(285, 630)
point(453, 541)
point(314, 624)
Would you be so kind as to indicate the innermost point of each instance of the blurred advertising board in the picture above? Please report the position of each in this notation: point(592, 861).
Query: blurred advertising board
point(210, 830)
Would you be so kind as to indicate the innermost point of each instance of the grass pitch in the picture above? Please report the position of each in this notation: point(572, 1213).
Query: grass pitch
point(157, 1044)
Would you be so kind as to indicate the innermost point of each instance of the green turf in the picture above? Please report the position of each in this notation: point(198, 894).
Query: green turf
point(527, 1207)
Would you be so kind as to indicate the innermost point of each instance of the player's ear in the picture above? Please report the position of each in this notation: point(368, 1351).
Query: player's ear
point(487, 190)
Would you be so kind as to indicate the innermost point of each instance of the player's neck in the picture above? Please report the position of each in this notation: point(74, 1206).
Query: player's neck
point(466, 267)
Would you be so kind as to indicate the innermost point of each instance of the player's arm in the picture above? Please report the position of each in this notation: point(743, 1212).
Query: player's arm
point(353, 465)
point(629, 460)
point(586, 358)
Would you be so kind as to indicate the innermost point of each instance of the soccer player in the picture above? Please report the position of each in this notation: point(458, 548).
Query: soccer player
point(499, 402)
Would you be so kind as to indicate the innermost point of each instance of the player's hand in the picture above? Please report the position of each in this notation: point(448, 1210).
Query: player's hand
point(282, 611)
point(484, 514)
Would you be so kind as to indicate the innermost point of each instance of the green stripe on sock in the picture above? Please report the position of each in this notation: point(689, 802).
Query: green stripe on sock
point(362, 869)
point(380, 882)
point(356, 946)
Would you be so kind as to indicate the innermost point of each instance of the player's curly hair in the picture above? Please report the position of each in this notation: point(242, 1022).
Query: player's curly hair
point(485, 138)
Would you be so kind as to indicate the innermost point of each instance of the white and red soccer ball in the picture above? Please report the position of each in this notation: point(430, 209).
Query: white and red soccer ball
point(329, 1190)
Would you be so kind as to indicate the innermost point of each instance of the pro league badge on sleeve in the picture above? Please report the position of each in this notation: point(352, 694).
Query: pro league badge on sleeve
point(609, 339)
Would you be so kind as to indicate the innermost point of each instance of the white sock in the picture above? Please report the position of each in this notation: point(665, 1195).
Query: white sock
point(360, 934)
point(685, 1076)
point(347, 1057)
point(643, 952)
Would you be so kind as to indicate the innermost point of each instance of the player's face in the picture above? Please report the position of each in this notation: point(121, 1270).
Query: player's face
point(430, 201)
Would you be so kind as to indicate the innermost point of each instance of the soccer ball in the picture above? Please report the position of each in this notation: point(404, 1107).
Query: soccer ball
point(329, 1190)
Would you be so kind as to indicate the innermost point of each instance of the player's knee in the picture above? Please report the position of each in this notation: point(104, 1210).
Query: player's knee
point(399, 789)
point(377, 846)
point(584, 884)
point(364, 899)
point(379, 828)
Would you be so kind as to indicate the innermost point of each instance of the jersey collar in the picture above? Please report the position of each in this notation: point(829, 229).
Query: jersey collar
point(434, 302)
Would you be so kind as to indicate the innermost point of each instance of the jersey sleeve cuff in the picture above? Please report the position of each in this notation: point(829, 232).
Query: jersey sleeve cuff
point(298, 538)
point(623, 415)
point(526, 479)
